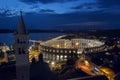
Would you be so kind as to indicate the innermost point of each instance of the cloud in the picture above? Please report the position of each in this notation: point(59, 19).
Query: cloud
point(6, 12)
point(85, 5)
point(104, 6)
point(66, 21)
point(45, 1)
point(109, 6)
point(88, 7)
point(34, 7)
point(109, 3)
point(46, 11)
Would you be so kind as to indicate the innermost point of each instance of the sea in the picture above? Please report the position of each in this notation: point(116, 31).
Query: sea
point(8, 38)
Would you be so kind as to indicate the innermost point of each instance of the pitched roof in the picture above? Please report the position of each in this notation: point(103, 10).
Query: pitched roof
point(21, 26)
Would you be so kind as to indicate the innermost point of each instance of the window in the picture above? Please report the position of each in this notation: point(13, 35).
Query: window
point(65, 56)
point(57, 51)
point(65, 51)
point(74, 51)
point(61, 56)
point(50, 50)
point(19, 51)
point(53, 50)
point(23, 51)
point(57, 57)
point(61, 51)
point(21, 40)
point(18, 41)
point(69, 51)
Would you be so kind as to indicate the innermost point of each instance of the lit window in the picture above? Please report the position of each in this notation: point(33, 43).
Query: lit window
point(69, 51)
point(74, 51)
point(57, 56)
point(58, 45)
point(61, 56)
point(107, 53)
point(65, 56)
point(52, 63)
point(76, 43)
point(65, 51)
point(79, 52)
point(61, 51)
point(57, 51)
point(53, 50)
point(91, 50)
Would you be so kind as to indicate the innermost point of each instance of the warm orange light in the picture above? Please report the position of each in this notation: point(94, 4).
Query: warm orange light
point(58, 45)
point(87, 63)
point(108, 71)
point(76, 43)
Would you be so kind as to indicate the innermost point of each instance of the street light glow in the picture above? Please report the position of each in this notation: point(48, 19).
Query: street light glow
point(58, 45)
point(76, 43)
point(52, 63)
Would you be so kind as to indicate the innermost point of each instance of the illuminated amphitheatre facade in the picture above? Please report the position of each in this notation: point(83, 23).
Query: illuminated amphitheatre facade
point(60, 48)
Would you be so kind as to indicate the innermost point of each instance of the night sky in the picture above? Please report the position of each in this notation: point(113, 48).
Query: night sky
point(61, 14)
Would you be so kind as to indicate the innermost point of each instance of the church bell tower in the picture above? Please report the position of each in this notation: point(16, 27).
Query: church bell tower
point(21, 51)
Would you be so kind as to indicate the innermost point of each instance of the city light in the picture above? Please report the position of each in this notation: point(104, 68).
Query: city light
point(80, 40)
point(76, 43)
point(86, 63)
point(58, 45)
point(52, 63)
point(80, 51)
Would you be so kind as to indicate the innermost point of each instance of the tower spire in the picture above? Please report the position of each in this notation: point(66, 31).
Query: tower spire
point(20, 12)
point(21, 26)
point(21, 47)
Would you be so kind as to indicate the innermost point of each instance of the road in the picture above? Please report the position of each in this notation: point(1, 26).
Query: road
point(92, 69)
